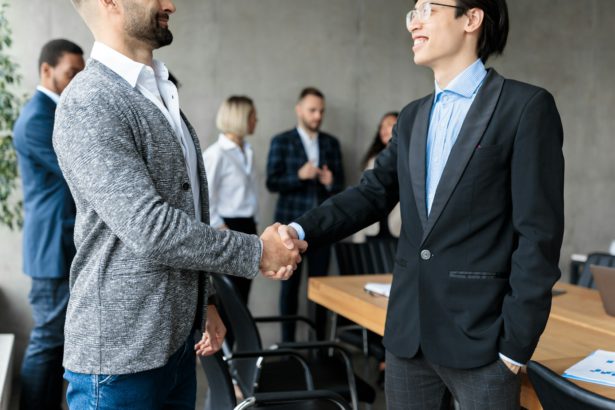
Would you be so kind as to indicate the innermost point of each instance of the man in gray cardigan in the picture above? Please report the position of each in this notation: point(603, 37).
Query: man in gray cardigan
point(139, 282)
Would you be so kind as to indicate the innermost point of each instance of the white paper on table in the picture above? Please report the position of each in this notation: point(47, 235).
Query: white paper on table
point(598, 367)
point(382, 289)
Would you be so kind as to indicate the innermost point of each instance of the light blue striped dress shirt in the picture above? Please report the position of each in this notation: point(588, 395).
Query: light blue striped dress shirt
point(449, 110)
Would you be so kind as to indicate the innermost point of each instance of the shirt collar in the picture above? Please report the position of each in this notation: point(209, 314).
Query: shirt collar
point(227, 144)
point(305, 136)
point(54, 97)
point(124, 66)
point(467, 82)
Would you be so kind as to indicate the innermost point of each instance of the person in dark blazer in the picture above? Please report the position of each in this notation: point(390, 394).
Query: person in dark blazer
point(49, 219)
point(479, 170)
point(305, 167)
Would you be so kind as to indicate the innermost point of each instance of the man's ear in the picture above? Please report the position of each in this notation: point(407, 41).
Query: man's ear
point(475, 20)
point(109, 4)
point(45, 70)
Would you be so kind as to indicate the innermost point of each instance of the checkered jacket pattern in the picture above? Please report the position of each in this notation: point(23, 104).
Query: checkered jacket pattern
point(286, 156)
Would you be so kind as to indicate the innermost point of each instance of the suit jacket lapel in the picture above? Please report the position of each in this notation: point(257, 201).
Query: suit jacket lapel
point(322, 150)
point(472, 131)
point(418, 141)
point(298, 143)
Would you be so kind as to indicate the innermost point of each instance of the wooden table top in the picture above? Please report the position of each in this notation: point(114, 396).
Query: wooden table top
point(582, 307)
point(345, 296)
point(577, 325)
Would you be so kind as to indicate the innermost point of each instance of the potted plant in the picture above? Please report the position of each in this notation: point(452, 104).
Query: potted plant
point(10, 206)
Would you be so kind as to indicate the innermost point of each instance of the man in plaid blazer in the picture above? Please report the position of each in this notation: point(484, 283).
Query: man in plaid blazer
point(305, 168)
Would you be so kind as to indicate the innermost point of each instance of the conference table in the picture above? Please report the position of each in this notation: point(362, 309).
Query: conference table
point(577, 325)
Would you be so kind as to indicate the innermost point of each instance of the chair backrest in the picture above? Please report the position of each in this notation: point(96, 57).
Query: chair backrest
point(247, 336)
point(557, 393)
point(595, 258)
point(221, 394)
point(376, 255)
point(383, 251)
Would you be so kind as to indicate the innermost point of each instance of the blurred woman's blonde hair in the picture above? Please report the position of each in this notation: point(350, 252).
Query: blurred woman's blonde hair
point(233, 115)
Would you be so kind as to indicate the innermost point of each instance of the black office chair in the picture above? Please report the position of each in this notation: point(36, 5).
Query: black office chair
point(221, 394)
point(289, 370)
point(557, 393)
point(376, 255)
point(595, 258)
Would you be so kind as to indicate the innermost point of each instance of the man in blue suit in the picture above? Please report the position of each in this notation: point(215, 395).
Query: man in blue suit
point(305, 168)
point(48, 247)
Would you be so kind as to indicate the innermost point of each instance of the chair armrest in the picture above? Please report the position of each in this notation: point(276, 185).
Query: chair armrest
point(260, 354)
point(337, 347)
point(293, 396)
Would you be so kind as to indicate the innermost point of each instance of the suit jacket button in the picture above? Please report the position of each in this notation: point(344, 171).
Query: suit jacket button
point(185, 186)
point(425, 255)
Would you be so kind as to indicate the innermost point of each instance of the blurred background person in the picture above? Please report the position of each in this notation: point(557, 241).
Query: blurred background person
point(305, 167)
point(49, 220)
point(229, 163)
point(391, 225)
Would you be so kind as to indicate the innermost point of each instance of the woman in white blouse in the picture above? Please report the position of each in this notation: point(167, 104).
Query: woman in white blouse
point(229, 163)
point(390, 225)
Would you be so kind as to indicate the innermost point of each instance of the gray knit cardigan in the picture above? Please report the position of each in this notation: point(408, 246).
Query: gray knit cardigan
point(142, 258)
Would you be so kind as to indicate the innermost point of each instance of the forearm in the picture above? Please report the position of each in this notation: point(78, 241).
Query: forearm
point(284, 183)
point(537, 185)
point(104, 168)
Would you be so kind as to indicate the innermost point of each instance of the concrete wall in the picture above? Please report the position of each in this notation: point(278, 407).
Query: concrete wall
point(358, 53)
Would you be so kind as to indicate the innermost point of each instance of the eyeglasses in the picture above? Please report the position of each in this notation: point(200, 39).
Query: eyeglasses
point(424, 12)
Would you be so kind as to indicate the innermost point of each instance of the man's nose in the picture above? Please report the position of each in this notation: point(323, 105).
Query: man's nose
point(168, 6)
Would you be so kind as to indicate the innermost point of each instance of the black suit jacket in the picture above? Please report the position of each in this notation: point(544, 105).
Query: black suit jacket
point(475, 277)
point(286, 156)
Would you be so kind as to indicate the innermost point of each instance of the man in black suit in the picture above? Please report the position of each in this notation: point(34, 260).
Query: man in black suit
point(305, 167)
point(478, 168)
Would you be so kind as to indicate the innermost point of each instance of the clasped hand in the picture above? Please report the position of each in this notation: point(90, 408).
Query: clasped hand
point(281, 252)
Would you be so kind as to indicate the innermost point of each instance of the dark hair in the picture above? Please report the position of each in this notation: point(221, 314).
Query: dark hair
point(495, 28)
point(55, 49)
point(377, 144)
point(311, 91)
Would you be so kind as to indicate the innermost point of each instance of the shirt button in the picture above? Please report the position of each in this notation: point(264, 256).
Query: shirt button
point(425, 255)
point(185, 186)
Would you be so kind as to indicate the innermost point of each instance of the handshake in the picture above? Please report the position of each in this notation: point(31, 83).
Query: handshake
point(282, 251)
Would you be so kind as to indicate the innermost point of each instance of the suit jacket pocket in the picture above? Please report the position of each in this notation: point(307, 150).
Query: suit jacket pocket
point(484, 150)
point(477, 275)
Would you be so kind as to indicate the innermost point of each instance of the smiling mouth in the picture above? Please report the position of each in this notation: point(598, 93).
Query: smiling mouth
point(418, 43)
point(163, 19)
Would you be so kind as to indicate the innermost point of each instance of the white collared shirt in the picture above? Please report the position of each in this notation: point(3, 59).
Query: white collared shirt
point(310, 145)
point(233, 189)
point(154, 84)
point(54, 97)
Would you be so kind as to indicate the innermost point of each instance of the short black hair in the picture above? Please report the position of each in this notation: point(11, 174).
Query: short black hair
point(495, 28)
point(311, 91)
point(55, 49)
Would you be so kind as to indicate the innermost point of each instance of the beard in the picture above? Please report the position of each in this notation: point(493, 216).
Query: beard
point(147, 30)
point(313, 126)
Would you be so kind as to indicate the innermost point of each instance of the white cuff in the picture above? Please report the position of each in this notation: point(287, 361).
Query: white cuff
point(299, 229)
point(509, 360)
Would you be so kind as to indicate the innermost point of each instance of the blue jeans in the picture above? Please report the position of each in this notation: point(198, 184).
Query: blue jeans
point(41, 371)
point(172, 386)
